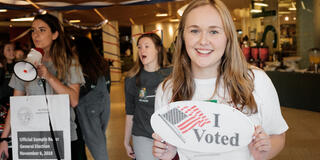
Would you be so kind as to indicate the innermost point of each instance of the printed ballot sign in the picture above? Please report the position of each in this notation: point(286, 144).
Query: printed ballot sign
point(30, 130)
point(203, 126)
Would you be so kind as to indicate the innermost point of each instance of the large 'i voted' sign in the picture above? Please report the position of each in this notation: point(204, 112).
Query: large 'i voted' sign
point(203, 126)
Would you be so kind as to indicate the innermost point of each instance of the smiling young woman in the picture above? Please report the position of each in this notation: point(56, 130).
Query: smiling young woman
point(209, 66)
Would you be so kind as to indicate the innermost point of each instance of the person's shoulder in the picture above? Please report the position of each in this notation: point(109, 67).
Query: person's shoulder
point(260, 76)
point(257, 72)
point(130, 80)
point(166, 85)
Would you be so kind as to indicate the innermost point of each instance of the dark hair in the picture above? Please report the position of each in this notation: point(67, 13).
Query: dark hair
point(16, 48)
point(51, 21)
point(60, 51)
point(3, 59)
point(93, 64)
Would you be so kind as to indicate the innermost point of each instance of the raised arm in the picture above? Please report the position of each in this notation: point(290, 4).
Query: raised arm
point(72, 90)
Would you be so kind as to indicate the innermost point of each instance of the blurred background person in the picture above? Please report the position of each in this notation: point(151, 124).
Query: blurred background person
point(20, 53)
point(7, 57)
point(140, 87)
point(94, 98)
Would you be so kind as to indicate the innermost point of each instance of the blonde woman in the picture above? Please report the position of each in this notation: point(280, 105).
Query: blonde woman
point(209, 65)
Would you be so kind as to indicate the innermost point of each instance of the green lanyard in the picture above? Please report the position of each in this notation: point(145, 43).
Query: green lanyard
point(212, 100)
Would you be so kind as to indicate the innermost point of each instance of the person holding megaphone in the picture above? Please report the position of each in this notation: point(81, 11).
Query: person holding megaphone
point(60, 69)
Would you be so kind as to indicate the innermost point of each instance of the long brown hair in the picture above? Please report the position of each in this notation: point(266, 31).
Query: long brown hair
point(93, 64)
point(60, 51)
point(162, 58)
point(234, 72)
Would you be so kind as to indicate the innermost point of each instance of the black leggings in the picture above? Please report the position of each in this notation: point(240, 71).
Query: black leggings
point(78, 151)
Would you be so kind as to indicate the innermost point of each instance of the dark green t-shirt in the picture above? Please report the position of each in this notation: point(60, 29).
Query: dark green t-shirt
point(140, 99)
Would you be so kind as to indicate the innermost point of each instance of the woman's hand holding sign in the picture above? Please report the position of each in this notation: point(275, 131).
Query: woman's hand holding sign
point(260, 145)
point(4, 149)
point(161, 149)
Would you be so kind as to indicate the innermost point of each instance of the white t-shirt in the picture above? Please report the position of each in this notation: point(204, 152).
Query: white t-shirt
point(268, 116)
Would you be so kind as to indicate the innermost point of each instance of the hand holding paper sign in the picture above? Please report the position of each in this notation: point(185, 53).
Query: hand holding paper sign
point(161, 149)
point(261, 144)
point(4, 149)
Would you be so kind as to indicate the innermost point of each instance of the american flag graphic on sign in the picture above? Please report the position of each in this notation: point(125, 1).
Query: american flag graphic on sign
point(185, 118)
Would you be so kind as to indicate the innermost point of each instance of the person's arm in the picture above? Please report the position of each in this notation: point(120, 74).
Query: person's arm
point(277, 144)
point(130, 110)
point(72, 90)
point(160, 148)
point(7, 128)
point(264, 146)
point(127, 136)
point(270, 136)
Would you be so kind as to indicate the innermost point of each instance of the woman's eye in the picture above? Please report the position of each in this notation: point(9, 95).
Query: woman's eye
point(42, 30)
point(214, 32)
point(194, 31)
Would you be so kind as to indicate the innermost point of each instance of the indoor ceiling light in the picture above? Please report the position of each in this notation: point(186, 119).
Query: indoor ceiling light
point(256, 11)
point(3, 10)
point(292, 9)
point(280, 5)
point(42, 11)
point(286, 18)
point(174, 20)
point(75, 21)
point(22, 19)
point(261, 4)
point(131, 1)
point(14, 2)
point(302, 5)
point(161, 14)
point(284, 12)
